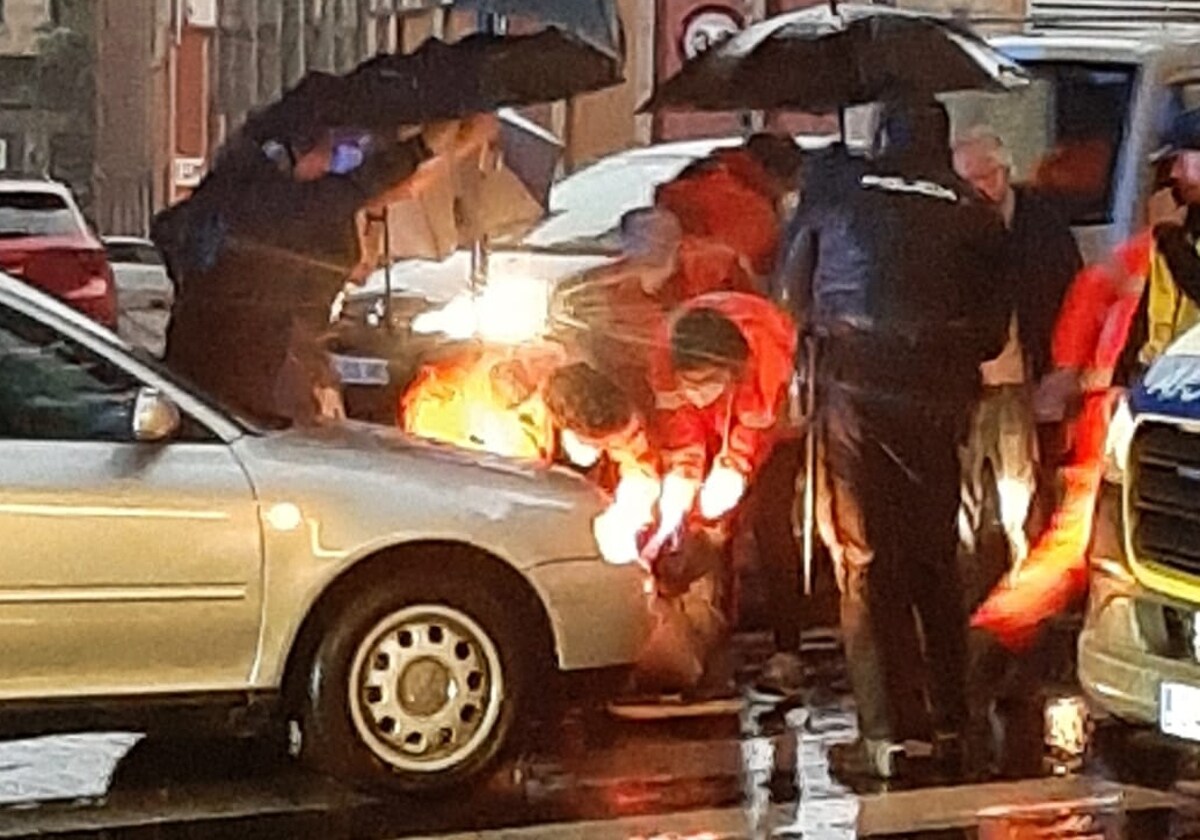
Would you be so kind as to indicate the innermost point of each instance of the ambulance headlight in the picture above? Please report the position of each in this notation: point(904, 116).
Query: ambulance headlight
point(1118, 441)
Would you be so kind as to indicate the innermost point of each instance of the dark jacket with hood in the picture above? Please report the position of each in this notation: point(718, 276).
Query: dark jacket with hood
point(899, 267)
point(260, 258)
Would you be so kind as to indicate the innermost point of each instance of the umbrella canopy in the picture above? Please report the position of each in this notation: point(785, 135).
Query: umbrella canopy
point(822, 59)
point(461, 204)
point(594, 21)
point(478, 74)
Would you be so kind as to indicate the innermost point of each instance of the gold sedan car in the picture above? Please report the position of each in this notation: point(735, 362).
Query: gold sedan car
point(400, 605)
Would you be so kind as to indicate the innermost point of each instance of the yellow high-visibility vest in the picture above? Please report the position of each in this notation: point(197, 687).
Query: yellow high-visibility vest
point(1170, 312)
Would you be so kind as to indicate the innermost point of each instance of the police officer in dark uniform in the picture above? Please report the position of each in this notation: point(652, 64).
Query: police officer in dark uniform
point(896, 268)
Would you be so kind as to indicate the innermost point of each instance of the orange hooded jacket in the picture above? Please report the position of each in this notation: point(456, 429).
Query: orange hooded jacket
point(1089, 337)
point(739, 427)
point(1096, 314)
point(728, 202)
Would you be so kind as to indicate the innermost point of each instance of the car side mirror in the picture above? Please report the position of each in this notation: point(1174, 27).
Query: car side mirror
point(155, 417)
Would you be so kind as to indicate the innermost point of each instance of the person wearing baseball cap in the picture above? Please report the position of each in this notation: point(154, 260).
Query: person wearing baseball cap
point(1173, 305)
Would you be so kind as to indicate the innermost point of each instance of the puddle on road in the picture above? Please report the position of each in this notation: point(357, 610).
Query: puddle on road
point(58, 768)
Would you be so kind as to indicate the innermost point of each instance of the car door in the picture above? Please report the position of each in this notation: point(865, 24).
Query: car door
point(127, 567)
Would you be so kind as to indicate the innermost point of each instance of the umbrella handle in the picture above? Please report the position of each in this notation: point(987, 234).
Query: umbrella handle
point(491, 159)
point(810, 463)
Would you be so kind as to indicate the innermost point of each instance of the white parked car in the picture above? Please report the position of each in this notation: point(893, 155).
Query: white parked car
point(403, 605)
point(145, 292)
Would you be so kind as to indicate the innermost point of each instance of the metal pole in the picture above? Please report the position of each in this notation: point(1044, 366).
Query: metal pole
point(387, 268)
point(810, 461)
point(479, 264)
point(491, 24)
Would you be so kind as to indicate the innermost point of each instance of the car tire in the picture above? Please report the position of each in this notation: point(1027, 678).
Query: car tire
point(417, 684)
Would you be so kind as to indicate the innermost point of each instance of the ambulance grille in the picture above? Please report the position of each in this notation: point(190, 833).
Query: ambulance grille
point(1165, 497)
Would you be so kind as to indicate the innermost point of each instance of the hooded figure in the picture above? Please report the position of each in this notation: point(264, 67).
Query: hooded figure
point(263, 248)
point(896, 268)
point(720, 381)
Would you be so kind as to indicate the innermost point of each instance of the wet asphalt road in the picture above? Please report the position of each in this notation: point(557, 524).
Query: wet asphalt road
point(751, 773)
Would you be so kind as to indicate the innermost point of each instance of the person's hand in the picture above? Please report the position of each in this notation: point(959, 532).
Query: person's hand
point(1058, 391)
point(636, 495)
point(676, 502)
point(1162, 209)
point(329, 403)
point(462, 138)
point(616, 536)
point(722, 491)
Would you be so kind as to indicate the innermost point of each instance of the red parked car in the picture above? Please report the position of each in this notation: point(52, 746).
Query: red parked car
point(45, 241)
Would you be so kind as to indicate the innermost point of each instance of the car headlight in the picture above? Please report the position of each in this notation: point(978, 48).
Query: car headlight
point(1118, 441)
point(507, 310)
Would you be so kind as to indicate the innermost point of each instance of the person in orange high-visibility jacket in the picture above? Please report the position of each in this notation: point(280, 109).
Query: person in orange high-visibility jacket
point(720, 381)
point(733, 196)
point(720, 376)
point(1090, 337)
point(621, 308)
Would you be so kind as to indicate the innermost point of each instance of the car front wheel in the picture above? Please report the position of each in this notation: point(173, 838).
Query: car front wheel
point(418, 692)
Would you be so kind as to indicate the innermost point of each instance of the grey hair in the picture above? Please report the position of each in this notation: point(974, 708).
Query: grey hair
point(985, 139)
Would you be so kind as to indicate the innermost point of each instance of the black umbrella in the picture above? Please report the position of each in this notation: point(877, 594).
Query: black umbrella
point(478, 74)
point(822, 59)
point(595, 21)
point(464, 203)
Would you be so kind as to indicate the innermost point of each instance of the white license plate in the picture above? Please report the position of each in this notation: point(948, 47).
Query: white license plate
point(354, 370)
point(1179, 710)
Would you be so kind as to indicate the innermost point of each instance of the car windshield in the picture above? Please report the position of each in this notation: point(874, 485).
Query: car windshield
point(1065, 131)
point(35, 214)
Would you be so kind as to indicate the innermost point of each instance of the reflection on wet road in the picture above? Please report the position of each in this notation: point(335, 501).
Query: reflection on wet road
point(761, 773)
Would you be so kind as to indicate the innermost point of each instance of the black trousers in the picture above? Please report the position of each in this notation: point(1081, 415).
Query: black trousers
point(887, 500)
point(768, 512)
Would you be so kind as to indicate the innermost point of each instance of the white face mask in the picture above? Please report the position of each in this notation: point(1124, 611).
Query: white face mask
point(702, 396)
point(579, 453)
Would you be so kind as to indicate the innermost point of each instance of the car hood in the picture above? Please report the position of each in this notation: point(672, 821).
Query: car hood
point(372, 485)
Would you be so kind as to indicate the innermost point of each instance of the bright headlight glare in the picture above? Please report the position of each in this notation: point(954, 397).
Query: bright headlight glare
point(1118, 441)
point(510, 309)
